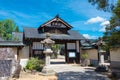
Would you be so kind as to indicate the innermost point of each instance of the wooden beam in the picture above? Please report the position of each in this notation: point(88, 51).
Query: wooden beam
point(77, 52)
point(30, 50)
point(18, 56)
point(66, 53)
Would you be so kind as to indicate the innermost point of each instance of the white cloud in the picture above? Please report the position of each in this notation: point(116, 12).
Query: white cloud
point(84, 8)
point(95, 20)
point(7, 14)
point(2, 12)
point(102, 29)
point(103, 26)
point(21, 14)
point(117, 27)
point(105, 23)
point(22, 18)
point(89, 36)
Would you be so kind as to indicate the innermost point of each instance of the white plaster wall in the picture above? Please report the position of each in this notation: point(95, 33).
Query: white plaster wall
point(15, 52)
point(24, 55)
point(115, 54)
point(115, 58)
point(92, 53)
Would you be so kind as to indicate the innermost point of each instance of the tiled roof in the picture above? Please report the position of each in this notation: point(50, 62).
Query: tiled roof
point(1, 39)
point(18, 35)
point(72, 35)
point(11, 43)
point(56, 18)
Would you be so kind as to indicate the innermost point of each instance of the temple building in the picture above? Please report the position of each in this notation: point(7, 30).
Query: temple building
point(28, 43)
point(60, 31)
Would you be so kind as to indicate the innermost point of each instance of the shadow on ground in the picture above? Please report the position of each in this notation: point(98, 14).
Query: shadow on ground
point(60, 62)
point(88, 75)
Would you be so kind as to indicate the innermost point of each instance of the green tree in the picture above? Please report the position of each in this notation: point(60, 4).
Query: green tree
point(105, 5)
point(55, 48)
point(113, 31)
point(17, 29)
point(6, 28)
point(112, 34)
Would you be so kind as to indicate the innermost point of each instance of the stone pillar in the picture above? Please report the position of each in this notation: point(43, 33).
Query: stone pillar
point(101, 67)
point(47, 46)
point(102, 59)
point(47, 59)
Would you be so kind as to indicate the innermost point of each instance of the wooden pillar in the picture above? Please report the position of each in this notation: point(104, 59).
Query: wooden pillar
point(18, 56)
point(66, 53)
point(30, 51)
point(77, 52)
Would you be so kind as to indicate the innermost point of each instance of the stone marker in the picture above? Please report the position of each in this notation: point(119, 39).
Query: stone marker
point(47, 43)
point(7, 63)
point(101, 67)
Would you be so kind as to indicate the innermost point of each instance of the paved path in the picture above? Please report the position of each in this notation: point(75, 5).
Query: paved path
point(74, 72)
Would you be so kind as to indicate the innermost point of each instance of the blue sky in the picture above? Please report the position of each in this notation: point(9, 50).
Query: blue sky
point(79, 13)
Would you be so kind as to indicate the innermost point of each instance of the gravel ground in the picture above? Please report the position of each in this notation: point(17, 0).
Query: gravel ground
point(36, 76)
point(65, 72)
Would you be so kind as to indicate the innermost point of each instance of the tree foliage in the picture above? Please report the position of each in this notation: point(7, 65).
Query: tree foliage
point(105, 5)
point(112, 34)
point(6, 28)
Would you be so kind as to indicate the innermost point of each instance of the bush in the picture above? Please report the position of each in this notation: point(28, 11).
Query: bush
point(34, 64)
point(91, 65)
point(84, 59)
point(84, 55)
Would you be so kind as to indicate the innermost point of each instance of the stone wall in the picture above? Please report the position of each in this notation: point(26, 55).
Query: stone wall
point(7, 59)
point(9, 65)
point(6, 53)
point(5, 68)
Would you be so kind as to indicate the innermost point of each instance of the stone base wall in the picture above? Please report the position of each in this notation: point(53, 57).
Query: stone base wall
point(11, 53)
point(7, 59)
point(115, 64)
point(94, 62)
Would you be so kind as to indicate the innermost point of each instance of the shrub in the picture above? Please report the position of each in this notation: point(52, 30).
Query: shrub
point(84, 55)
point(34, 64)
point(91, 65)
point(84, 59)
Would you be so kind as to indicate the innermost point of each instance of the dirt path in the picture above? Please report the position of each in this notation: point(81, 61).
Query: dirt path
point(75, 71)
point(29, 76)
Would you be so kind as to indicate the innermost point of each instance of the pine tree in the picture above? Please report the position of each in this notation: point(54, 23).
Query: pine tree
point(6, 28)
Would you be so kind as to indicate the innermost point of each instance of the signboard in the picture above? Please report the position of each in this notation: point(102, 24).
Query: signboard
point(72, 55)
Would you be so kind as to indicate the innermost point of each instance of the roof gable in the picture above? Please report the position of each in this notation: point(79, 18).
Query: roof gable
point(64, 24)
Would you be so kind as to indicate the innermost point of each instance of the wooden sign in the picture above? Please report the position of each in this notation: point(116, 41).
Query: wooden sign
point(72, 55)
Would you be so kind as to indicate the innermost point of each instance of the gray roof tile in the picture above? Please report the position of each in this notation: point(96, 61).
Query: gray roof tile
point(72, 35)
point(11, 43)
